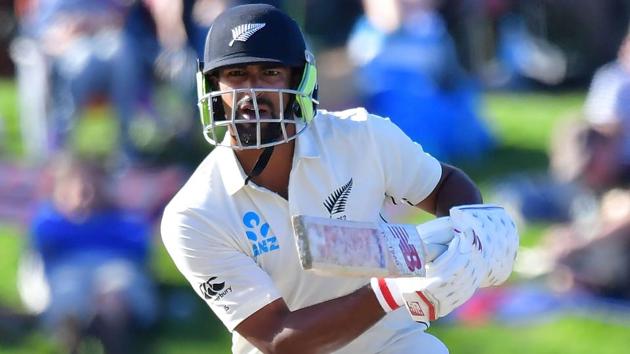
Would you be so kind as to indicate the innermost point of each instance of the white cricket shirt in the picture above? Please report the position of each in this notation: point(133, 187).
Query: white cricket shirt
point(234, 242)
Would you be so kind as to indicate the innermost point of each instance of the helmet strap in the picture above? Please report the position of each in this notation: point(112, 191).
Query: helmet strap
point(260, 164)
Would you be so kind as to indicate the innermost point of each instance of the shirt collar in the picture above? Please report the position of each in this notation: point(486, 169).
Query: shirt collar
point(231, 171)
point(305, 143)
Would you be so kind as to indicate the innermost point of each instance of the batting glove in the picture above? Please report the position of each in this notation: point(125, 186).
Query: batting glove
point(450, 281)
point(494, 233)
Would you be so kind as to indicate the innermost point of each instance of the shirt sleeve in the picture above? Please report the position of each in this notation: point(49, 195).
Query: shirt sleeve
point(410, 173)
point(226, 278)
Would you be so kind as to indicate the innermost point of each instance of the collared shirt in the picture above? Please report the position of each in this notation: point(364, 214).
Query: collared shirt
point(234, 242)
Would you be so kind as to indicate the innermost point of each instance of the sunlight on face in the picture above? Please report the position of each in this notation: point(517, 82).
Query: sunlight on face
point(259, 76)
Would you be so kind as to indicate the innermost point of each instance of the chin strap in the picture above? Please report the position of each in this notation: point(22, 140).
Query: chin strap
point(260, 164)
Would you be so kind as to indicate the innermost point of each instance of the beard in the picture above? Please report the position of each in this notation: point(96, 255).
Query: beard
point(269, 132)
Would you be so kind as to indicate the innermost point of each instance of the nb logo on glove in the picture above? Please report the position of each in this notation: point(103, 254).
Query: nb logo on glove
point(410, 253)
point(415, 309)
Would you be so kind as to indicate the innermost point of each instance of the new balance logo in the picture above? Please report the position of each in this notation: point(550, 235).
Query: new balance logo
point(243, 32)
point(409, 252)
point(415, 309)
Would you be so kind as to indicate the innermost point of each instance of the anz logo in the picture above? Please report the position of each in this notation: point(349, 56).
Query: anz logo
point(259, 234)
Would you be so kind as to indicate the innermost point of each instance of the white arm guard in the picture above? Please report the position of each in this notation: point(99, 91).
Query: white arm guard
point(450, 281)
point(494, 233)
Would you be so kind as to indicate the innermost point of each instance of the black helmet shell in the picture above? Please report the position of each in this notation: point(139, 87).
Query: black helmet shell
point(252, 34)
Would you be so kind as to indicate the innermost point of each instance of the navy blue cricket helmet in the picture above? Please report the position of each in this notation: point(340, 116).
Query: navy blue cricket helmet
point(250, 34)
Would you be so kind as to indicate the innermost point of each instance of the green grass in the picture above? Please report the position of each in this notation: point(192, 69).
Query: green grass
point(9, 122)
point(10, 247)
point(523, 123)
point(526, 120)
point(568, 334)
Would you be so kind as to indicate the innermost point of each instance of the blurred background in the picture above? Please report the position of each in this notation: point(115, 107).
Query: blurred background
point(99, 129)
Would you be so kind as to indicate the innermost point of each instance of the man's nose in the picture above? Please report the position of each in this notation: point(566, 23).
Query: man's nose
point(252, 81)
point(250, 96)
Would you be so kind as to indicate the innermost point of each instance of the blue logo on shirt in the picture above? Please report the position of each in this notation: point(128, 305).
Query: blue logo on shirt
point(259, 235)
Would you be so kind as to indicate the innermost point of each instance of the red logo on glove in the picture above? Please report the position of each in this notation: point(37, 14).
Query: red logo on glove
point(415, 309)
point(412, 259)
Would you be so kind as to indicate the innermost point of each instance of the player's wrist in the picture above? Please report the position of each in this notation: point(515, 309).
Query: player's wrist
point(387, 293)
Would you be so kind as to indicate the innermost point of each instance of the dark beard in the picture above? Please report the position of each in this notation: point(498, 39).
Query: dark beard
point(269, 132)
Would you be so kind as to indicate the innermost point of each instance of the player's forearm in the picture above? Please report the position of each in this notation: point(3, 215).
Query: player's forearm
point(328, 326)
point(455, 188)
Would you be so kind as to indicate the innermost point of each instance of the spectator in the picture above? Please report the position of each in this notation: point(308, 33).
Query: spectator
point(589, 156)
point(595, 259)
point(89, 53)
point(408, 70)
point(588, 250)
point(593, 256)
point(598, 152)
point(94, 256)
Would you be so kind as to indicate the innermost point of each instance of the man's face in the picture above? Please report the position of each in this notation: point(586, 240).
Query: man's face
point(75, 194)
point(261, 76)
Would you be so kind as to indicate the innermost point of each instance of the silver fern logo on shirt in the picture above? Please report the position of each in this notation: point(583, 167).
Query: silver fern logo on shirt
point(337, 200)
point(242, 32)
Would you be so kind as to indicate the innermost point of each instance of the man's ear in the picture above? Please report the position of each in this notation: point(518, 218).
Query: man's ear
point(217, 102)
point(213, 80)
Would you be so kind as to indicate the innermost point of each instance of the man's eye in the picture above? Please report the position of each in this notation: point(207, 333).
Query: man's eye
point(271, 72)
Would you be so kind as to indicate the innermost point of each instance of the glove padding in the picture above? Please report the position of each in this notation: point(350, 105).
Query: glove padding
point(494, 233)
point(450, 280)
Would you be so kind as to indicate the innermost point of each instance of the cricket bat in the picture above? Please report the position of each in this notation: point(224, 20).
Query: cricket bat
point(364, 249)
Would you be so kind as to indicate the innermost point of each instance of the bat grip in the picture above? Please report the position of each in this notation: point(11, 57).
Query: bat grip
point(436, 235)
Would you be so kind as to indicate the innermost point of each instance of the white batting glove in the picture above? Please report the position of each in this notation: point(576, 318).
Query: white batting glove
point(450, 281)
point(495, 233)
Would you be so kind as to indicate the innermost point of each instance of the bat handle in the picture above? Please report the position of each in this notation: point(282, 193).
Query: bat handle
point(434, 250)
point(436, 235)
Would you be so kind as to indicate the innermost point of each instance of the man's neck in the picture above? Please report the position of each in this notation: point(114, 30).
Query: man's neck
point(275, 176)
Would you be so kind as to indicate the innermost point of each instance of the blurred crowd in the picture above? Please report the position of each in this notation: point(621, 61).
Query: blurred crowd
point(592, 154)
point(423, 63)
point(88, 261)
point(584, 195)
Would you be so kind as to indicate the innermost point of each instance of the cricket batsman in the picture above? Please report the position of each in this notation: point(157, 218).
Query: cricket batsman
point(229, 232)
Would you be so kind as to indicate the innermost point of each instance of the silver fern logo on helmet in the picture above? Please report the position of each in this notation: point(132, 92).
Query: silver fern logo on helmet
point(243, 32)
